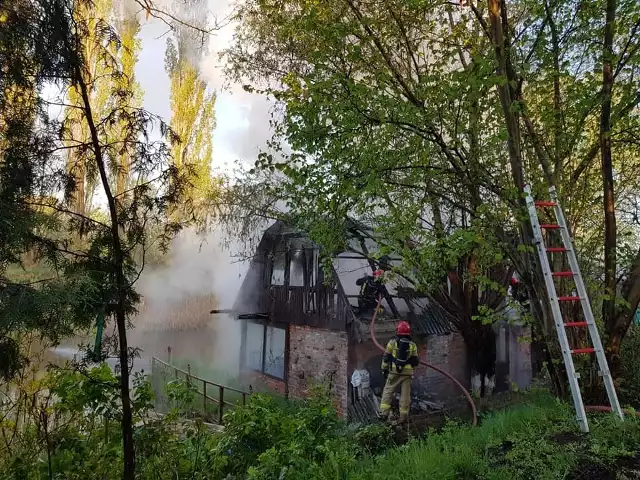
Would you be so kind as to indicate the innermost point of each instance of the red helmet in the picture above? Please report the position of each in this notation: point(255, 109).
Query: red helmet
point(514, 281)
point(403, 328)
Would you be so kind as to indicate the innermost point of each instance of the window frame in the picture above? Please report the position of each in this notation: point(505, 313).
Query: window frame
point(265, 326)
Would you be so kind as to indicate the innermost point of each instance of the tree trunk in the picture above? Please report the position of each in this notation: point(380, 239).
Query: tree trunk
point(505, 92)
point(631, 293)
point(120, 312)
point(609, 303)
point(480, 341)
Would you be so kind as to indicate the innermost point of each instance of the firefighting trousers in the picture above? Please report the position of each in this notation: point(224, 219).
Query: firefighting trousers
point(393, 382)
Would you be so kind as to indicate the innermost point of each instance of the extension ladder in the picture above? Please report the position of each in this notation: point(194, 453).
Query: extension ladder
point(581, 296)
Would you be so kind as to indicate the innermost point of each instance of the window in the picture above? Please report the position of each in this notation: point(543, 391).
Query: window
point(264, 349)
point(312, 266)
point(254, 348)
point(274, 354)
point(296, 272)
point(277, 272)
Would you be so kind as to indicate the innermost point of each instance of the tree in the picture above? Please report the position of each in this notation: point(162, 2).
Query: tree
point(85, 176)
point(128, 28)
point(30, 55)
point(192, 104)
point(416, 124)
point(47, 42)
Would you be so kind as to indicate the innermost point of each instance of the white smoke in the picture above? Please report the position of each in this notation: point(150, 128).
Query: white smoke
point(198, 276)
point(198, 270)
point(243, 118)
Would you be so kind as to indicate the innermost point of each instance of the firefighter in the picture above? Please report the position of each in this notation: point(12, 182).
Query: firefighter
point(370, 287)
point(398, 362)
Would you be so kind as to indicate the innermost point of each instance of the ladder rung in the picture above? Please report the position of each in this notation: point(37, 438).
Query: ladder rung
point(568, 299)
point(583, 350)
point(556, 249)
point(576, 324)
point(562, 274)
point(549, 226)
point(545, 203)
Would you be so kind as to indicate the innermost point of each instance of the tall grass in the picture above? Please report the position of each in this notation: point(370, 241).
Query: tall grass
point(517, 443)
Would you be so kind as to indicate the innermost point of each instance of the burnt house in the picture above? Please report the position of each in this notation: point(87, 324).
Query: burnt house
point(301, 324)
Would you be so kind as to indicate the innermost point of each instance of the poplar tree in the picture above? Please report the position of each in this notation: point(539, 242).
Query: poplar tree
point(95, 15)
point(192, 102)
point(128, 28)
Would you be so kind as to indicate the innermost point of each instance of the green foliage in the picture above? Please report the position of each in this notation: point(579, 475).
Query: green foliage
point(393, 117)
point(374, 439)
point(629, 389)
point(192, 103)
point(269, 438)
point(77, 438)
point(535, 440)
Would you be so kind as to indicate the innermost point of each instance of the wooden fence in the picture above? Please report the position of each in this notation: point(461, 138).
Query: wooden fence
point(210, 400)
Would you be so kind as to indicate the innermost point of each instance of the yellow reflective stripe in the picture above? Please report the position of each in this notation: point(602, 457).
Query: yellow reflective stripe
point(392, 347)
point(404, 410)
point(385, 406)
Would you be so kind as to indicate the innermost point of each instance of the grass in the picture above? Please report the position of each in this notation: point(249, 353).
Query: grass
point(536, 440)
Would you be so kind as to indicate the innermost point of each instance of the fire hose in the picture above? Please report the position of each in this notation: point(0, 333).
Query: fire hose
point(474, 410)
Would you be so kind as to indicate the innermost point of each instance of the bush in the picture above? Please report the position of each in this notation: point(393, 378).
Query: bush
point(270, 438)
point(374, 439)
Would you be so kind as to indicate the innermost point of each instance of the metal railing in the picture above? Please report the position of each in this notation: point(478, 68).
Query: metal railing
point(204, 404)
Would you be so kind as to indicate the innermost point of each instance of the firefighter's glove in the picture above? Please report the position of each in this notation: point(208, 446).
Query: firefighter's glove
point(385, 373)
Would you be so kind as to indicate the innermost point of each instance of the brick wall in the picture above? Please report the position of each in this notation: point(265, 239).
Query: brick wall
point(317, 355)
point(260, 382)
point(448, 353)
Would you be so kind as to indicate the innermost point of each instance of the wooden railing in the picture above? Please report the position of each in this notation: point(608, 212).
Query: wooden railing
point(162, 373)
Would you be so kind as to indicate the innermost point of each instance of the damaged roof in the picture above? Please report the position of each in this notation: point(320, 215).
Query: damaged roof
point(425, 315)
point(429, 318)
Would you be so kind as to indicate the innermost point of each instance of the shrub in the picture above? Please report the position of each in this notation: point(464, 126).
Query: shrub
point(269, 438)
point(374, 439)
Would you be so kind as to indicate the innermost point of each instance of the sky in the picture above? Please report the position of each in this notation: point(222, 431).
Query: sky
point(242, 118)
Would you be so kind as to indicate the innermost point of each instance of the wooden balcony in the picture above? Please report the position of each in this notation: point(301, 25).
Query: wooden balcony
point(320, 306)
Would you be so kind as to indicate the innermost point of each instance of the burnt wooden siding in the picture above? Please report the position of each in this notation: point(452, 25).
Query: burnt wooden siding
point(321, 307)
point(315, 303)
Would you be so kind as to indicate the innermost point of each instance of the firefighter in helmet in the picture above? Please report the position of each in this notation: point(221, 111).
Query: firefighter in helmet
point(370, 288)
point(398, 362)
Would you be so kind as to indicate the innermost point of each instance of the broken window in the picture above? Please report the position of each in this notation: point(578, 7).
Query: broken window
point(264, 349)
point(312, 266)
point(277, 272)
point(296, 272)
point(274, 355)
